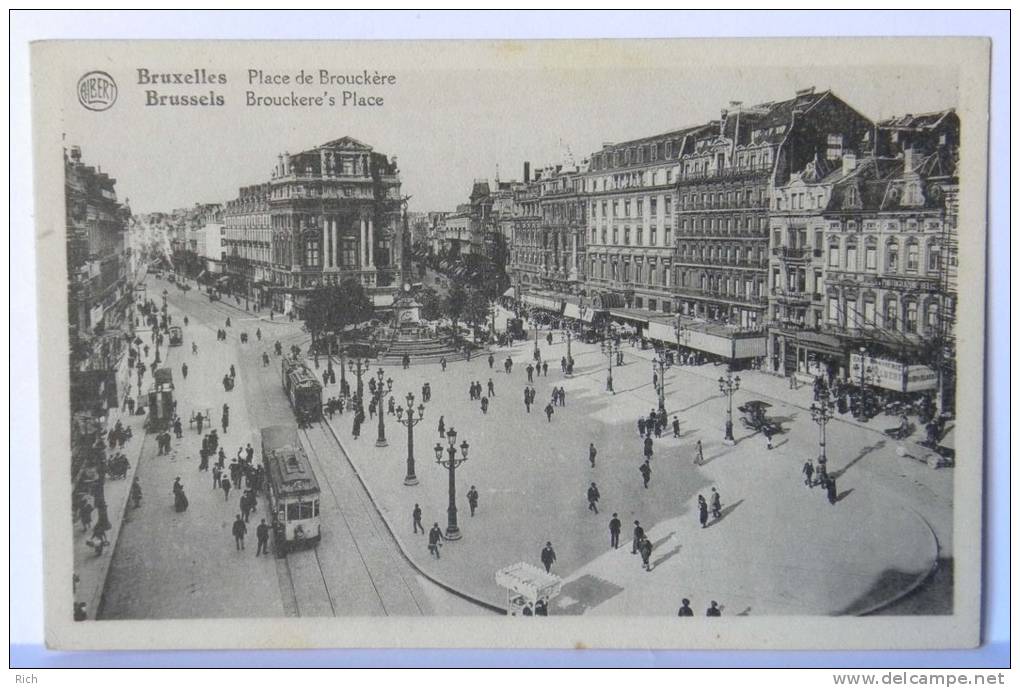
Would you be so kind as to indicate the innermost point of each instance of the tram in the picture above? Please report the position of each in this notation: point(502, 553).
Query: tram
point(302, 389)
point(292, 487)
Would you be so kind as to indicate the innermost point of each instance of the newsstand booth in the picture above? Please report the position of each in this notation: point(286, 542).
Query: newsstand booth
point(526, 584)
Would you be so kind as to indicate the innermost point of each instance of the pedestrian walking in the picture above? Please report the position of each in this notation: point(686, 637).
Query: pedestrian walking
point(548, 412)
point(239, 530)
point(225, 486)
point(830, 490)
point(225, 418)
point(614, 531)
point(641, 426)
point(545, 368)
point(472, 497)
point(262, 535)
point(184, 371)
point(685, 608)
point(593, 498)
point(713, 609)
point(492, 360)
point(645, 548)
point(646, 473)
point(699, 454)
point(435, 540)
point(245, 506)
point(442, 427)
point(676, 427)
point(639, 535)
point(716, 503)
point(592, 452)
point(648, 447)
point(768, 438)
point(216, 473)
point(808, 471)
point(702, 511)
point(491, 388)
point(548, 556)
point(85, 514)
point(530, 370)
point(416, 520)
point(442, 364)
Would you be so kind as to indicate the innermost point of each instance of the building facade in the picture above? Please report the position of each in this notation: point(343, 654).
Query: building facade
point(326, 214)
point(629, 189)
point(726, 175)
point(97, 262)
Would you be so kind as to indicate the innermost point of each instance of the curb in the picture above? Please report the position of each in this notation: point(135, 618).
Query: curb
point(407, 557)
point(918, 581)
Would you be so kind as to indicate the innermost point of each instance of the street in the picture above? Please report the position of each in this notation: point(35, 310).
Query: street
point(170, 565)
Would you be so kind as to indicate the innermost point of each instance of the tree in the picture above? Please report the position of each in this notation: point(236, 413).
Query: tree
point(431, 304)
point(331, 309)
point(455, 303)
point(476, 310)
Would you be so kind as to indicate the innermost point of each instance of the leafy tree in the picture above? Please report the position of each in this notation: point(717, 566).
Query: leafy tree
point(476, 310)
point(330, 309)
point(456, 301)
point(431, 304)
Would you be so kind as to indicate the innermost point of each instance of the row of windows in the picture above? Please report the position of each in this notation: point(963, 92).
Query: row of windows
point(624, 208)
point(737, 198)
point(722, 225)
point(638, 235)
point(648, 152)
point(848, 314)
point(712, 253)
point(621, 271)
point(847, 259)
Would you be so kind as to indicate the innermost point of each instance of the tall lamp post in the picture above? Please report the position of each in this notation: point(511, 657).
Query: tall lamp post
point(409, 421)
point(343, 375)
point(663, 363)
point(358, 366)
point(381, 391)
point(570, 358)
point(728, 385)
point(612, 349)
point(451, 463)
point(822, 413)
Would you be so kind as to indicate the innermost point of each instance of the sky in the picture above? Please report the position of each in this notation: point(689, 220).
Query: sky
point(455, 113)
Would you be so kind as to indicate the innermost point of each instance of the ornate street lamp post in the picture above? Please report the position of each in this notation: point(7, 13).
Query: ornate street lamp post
point(728, 386)
point(381, 391)
point(612, 349)
point(822, 413)
point(451, 463)
point(663, 362)
point(862, 415)
point(410, 420)
point(358, 366)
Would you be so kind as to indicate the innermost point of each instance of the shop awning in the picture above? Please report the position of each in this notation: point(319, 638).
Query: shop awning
point(634, 317)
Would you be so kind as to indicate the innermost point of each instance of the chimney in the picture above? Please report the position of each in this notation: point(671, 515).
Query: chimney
point(527, 172)
point(849, 162)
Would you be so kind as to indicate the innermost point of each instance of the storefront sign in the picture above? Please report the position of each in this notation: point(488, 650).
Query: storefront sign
point(892, 375)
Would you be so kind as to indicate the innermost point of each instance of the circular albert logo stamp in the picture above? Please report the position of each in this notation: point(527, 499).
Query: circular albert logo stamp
point(97, 91)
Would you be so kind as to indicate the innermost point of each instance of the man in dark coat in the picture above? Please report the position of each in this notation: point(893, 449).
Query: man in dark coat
point(713, 609)
point(435, 540)
point(239, 529)
point(472, 497)
point(548, 412)
point(808, 471)
point(702, 511)
point(548, 556)
point(492, 359)
point(593, 498)
point(830, 489)
point(614, 532)
point(645, 548)
point(639, 535)
point(416, 520)
point(646, 473)
point(262, 535)
point(676, 427)
point(685, 608)
point(531, 371)
point(591, 453)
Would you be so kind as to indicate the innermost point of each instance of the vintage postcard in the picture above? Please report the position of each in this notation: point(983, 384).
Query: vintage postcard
point(608, 344)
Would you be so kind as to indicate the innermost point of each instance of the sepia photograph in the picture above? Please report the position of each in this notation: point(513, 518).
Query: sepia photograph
point(512, 343)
